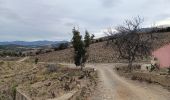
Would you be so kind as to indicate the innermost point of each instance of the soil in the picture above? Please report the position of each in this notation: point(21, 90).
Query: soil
point(113, 87)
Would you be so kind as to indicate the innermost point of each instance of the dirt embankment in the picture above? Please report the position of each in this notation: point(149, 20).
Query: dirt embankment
point(156, 77)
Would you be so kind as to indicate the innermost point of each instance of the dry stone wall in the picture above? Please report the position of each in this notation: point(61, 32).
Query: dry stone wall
point(21, 96)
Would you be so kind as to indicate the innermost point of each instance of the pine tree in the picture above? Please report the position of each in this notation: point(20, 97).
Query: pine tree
point(87, 39)
point(81, 47)
point(79, 50)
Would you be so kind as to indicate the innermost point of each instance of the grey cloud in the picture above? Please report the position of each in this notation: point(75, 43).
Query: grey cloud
point(7, 14)
point(54, 19)
point(110, 3)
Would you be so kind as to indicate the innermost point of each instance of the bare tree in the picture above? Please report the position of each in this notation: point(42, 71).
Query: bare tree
point(130, 42)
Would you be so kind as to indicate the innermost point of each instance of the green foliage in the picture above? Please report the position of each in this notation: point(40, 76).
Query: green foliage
point(80, 47)
point(63, 46)
point(11, 53)
point(87, 39)
point(168, 70)
point(1, 63)
point(36, 60)
point(14, 91)
point(12, 50)
point(3, 97)
point(92, 37)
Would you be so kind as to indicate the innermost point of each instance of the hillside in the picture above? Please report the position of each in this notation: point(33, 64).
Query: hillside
point(98, 52)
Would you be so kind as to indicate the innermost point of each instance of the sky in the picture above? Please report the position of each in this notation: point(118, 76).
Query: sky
point(30, 20)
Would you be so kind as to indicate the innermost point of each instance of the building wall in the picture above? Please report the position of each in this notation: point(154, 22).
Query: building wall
point(163, 56)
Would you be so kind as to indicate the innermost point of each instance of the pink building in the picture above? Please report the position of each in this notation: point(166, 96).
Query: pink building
point(163, 56)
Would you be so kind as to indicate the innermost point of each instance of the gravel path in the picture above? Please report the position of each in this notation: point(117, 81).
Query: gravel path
point(114, 87)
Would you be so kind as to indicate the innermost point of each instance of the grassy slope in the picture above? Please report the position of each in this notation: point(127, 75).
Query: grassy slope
point(98, 52)
point(39, 82)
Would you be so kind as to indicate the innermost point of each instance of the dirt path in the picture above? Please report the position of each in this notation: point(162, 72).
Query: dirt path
point(65, 96)
point(23, 59)
point(114, 87)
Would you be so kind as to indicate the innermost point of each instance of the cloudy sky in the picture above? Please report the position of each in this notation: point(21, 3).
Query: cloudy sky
point(31, 20)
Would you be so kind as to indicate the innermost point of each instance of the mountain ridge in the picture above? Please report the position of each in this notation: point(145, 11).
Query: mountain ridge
point(32, 43)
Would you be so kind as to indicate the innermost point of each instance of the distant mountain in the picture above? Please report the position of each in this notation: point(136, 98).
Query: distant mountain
point(33, 43)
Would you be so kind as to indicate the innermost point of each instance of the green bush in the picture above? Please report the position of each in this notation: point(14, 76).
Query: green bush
point(36, 60)
point(13, 89)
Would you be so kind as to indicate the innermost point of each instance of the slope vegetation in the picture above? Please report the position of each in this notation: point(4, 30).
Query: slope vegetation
point(98, 52)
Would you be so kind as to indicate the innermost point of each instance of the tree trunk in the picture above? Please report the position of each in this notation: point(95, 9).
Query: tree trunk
point(82, 65)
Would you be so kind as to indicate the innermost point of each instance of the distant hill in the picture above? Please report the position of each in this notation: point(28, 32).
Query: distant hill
point(33, 43)
point(13, 48)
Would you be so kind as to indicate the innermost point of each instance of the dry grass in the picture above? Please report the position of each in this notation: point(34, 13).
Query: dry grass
point(98, 52)
point(158, 76)
point(41, 81)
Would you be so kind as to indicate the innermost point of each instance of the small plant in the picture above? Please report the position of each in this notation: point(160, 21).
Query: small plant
point(149, 80)
point(3, 97)
point(36, 60)
point(169, 70)
point(14, 91)
point(1, 63)
point(152, 68)
point(63, 46)
point(51, 68)
point(52, 94)
point(133, 78)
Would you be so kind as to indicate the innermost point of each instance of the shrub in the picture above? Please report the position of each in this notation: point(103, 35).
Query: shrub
point(52, 68)
point(14, 91)
point(1, 62)
point(36, 60)
point(100, 40)
point(47, 51)
point(63, 46)
point(133, 78)
point(136, 67)
point(169, 70)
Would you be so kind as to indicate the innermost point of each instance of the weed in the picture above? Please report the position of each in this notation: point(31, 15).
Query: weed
point(13, 89)
point(51, 68)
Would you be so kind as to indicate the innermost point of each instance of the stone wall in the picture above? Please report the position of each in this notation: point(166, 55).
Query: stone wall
point(21, 96)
